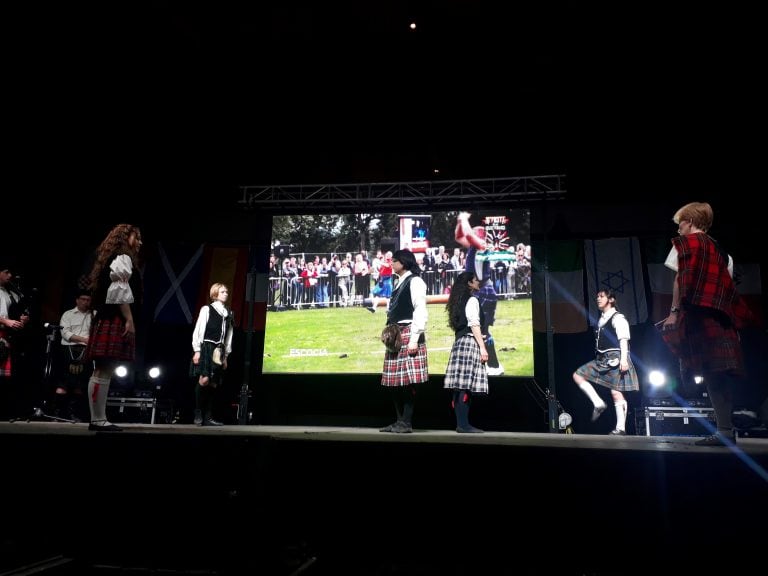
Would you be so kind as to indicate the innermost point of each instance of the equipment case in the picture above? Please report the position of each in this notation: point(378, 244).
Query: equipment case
point(145, 406)
point(676, 421)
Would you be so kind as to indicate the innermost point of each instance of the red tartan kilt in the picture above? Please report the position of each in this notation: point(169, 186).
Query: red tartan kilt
point(107, 341)
point(402, 369)
point(705, 344)
point(5, 363)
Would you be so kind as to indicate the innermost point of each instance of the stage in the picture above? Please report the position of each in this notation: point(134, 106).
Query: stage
point(343, 500)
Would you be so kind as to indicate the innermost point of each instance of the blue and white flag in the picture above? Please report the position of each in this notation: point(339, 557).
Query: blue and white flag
point(615, 264)
point(172, 283)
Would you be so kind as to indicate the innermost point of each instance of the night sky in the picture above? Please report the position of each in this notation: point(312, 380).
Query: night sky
point(163, 101)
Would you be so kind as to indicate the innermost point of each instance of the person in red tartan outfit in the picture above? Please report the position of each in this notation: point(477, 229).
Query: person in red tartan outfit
point(116, 285)
point(706, 310)
point(12, 323)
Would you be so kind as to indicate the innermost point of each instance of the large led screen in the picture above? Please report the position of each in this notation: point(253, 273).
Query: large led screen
point(327, 270)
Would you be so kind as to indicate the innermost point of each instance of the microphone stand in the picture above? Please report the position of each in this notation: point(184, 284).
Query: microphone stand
point(38, 412)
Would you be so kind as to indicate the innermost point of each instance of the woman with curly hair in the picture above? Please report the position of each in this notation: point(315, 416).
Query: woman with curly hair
point(116, 284)
point(466, 373)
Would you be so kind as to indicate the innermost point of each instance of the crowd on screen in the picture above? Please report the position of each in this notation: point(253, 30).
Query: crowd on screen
point(341, 280)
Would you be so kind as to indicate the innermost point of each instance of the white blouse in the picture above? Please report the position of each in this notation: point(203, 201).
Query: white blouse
point(119, 291)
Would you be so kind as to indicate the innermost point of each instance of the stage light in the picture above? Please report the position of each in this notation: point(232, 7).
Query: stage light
point(657, 378)
point(698, 379)
point(564, 420)
point(121, 371)
point(154, 372)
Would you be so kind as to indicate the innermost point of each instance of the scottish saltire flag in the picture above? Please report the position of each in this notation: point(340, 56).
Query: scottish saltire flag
point(565, 266)
point(172, 283)
point(615, 264)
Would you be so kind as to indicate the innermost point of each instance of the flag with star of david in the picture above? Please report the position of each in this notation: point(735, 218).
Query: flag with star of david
point(615, 264)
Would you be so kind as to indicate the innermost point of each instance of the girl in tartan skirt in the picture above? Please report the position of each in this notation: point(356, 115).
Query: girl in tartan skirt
point(466, 373)
point(213, 331)
point(116, 284)
point(407, 365)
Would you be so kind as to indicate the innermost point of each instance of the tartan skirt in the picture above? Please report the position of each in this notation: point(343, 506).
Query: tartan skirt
point(705, 342)
point(107, 341)
point(402, 369)
point(599, 371)
point(466, 370)
point(5, 359)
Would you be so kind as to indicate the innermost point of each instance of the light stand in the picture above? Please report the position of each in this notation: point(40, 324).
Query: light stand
point(547, 402)
point(250, 295)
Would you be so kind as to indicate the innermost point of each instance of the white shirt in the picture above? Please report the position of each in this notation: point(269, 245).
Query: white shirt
point(119, 291)
point(6, 300)
point(620, 324)
point(671, 261)
point(74, 323)
point(198, 335)
point(472, 310)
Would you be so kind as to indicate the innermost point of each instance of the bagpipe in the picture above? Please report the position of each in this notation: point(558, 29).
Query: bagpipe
point(21, 302)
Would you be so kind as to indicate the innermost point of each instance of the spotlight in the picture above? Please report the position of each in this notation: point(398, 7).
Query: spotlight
point(121, 371)
point(564, 420)
point(154, 372)
point(657, 378)
point(698, 379)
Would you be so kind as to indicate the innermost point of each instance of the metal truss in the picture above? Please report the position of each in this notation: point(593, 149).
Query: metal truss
point(442, 194)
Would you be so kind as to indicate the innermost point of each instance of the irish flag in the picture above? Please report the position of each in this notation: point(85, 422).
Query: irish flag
point(566, 287)
point(660, 277)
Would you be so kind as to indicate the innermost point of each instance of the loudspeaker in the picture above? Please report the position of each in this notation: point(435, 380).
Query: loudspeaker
point(282, 251)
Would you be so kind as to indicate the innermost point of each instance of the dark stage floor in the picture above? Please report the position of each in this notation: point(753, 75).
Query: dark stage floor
point(336, 500)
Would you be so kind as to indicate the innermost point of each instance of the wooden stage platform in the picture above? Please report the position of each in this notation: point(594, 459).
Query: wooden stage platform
point(338, 500)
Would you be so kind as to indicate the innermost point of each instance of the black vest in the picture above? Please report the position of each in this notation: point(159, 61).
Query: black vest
point(216, 327)
point(401, 305)
point(605, 337)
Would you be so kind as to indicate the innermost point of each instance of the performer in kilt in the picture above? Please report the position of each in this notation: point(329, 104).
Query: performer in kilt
point(466, 373)
point(706, 310)
point(115, 283)
point(612, 366)
point(211, 345)
point(12, 323)
point(75, 370)
point(407, 366)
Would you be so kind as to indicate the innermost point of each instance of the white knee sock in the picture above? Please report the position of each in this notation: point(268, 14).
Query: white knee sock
point(98, 389)
point(587, 388)
point(621, 414)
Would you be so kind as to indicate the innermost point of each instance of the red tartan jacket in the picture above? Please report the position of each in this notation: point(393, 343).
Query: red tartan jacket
point(703, 278)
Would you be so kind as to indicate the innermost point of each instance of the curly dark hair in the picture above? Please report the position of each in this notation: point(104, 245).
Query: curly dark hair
point(114, 244)
point(460, 293)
